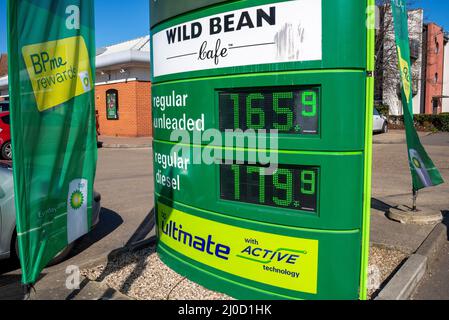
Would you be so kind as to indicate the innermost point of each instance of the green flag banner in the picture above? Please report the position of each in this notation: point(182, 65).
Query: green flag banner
point(51, 46)
point(424, 172)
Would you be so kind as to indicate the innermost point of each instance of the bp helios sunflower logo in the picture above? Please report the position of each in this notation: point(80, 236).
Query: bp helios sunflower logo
point(76, 200)
point(417, 163)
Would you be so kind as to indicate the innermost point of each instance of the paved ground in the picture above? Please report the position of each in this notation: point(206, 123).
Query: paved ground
point(117, 142)
point(392, 186)
point(435, 285)
point(124, 179)
point(394, 137)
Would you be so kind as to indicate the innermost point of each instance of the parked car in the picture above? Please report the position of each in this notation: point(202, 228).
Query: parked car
point(380, 123)
point(8, 235)
point(5, 136)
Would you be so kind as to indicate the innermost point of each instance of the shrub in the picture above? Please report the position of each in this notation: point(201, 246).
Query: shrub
point(426, 122)
point(383, 109)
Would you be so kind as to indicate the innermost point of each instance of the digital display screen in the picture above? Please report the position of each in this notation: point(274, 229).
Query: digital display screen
point(291, 187)
point(290, 111)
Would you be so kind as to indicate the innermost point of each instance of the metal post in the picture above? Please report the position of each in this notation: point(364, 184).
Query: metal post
point(415, 197)
point(27, 291)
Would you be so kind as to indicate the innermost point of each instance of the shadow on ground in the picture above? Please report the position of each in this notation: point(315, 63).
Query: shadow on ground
point(138, 236)
point(446, 222)
point(10, 285)
point(109, 222)
point(380, 205)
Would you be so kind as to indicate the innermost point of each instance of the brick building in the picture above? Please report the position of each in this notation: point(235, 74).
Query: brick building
point(3, 77)
point(122, 89)
point(433, 69)
point(3, 64)
point(429, 56)
point(445, 97)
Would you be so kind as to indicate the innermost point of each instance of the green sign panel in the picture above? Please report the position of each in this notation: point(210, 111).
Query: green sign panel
point(112, 104)
point(51, 75)
point(262, 116)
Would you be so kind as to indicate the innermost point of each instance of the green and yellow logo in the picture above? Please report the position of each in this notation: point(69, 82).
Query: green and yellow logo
point(405, 75)
point(417, 163)
point(58, 70)
point(254, 255)
point(76, 200)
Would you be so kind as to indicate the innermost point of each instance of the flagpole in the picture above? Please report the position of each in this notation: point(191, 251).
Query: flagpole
point(27, 291)
point(415, 197)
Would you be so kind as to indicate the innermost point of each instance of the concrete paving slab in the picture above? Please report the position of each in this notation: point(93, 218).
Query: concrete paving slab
point(99, 291)
point(423, 216)
point(405, 282)
point(391, 234)
point(431, 248)
point(435, 285)
point(406, 279)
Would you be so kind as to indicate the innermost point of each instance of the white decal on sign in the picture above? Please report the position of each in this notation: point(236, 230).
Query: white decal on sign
point(274, 33)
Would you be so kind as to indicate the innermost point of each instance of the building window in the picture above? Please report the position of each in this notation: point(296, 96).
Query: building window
point(112, 104)
point(437, 47)
point(435, 80)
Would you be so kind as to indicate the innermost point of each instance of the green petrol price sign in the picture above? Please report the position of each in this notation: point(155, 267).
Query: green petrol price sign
point(291, 187)
point(284, 109)
point(262, 116)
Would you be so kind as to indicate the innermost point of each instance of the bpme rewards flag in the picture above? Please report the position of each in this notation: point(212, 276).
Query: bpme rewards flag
point(424, 172)
point(51, 76)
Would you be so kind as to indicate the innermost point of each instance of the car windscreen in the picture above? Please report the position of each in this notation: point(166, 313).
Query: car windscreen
point(4, 107)
point(6, 119)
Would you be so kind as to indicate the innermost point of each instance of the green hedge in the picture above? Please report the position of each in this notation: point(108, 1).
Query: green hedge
point(383, 109)
point(426, 122)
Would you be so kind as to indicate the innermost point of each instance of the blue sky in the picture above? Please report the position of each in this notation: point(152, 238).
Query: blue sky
point(118, 20)
point(436, 11)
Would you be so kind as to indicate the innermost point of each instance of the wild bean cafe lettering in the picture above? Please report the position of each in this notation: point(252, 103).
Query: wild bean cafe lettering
point(218, 25)
point(287, 32)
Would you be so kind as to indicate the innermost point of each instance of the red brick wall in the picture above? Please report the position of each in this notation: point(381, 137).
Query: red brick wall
point(134, 101)
point(435, 64)
point(143, 104)
point(3, 64)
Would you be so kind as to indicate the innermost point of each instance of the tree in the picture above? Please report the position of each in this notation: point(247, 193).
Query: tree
point(386, 69)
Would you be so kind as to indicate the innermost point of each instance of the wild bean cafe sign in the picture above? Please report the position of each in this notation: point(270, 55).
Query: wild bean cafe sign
point(238, 69)
point(259, 35)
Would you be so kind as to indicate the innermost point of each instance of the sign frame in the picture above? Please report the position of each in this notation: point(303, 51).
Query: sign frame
point(191, 268)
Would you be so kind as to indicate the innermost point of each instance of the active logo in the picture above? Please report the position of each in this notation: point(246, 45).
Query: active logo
point(281, 261)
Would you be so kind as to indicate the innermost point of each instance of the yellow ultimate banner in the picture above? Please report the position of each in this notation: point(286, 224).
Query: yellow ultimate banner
point(280, 261)
point(59, 70)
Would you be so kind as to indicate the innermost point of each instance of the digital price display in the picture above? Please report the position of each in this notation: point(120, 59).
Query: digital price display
point(291, 187)
point(290, 111)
